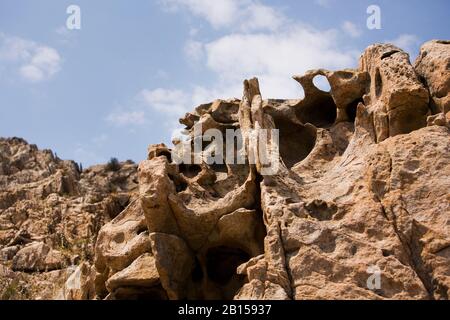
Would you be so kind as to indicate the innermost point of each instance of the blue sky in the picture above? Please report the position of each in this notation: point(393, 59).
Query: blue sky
point(121, 82)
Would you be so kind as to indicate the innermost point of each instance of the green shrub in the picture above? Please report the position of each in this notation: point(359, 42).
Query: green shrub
point(113, 165)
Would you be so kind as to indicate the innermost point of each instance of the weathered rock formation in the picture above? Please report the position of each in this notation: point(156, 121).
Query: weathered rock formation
point(363, 183)
point(361, 190)
point(50, 215)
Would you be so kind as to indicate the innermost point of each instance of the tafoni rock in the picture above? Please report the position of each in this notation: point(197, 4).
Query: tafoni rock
point(357, 208)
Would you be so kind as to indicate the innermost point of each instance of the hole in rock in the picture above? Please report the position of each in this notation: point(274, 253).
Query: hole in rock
point(197, 273)
point(328, 244)
point(352, 108)
point(214, 275)
point(321, 210)
point(321, 82)
point(119, 238)
point(346, 75)
point(115, 208)
point(322, 112)
point(388, 54)
point(222, 262)
point(166, 154)
point(190, 170)
point(296, 141)
point(141, 229)
point(180, 185)
point(423, 80)
point(378, 84)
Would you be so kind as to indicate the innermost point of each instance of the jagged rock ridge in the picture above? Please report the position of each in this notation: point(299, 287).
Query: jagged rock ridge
point(363, 183)
point(50, 214)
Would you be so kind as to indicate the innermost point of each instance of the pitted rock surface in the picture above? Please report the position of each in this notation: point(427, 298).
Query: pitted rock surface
point(362, 184)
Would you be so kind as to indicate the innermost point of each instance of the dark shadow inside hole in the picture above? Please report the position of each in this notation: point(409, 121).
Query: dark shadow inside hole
point(296, 141)
point(190, 170)
point(386, 253)
point(116, 207)
point(352, 108)
point(180, 185)
point(217, 167)
point(167, 155)
point(378, 84)
point(143, 228)
point(321, 210)
point(197, 273)
point(388, 54)
point(222, 262)
point(321, 112)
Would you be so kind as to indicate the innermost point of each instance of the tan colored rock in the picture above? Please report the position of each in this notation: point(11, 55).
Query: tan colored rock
point(119, 243)
point(80, 284)
point(397, 99)
point(432, 65)
point(37, 257)
point(44, 199)
point(141, 273)
point(357, 208)
point(346, 204)
point(174, 261)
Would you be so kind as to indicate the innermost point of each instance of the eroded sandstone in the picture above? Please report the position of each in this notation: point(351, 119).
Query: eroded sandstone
point(362, 184)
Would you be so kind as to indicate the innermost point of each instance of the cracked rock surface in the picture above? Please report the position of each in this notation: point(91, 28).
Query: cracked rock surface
point(362, 184)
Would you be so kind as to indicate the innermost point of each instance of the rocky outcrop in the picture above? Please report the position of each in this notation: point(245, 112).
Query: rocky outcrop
point(432, 66)
point(353, 204)
point(362, 185)
point(50, 214)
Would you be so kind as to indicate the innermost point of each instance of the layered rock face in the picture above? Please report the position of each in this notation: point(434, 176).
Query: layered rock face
point(50, 215)
point(358, 207)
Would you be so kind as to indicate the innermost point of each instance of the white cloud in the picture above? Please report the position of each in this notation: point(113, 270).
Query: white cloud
point(31, 73)
point(265, 44)
point(275, 57)
point(351, 29)
point(166, 101)
point(408, 42)
point(271, 49)
point(122, 118)
point(34, 62)
point(43, 65)
point(219, 12)
point(280, 53)
point(237, 14)
point(259, 17)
